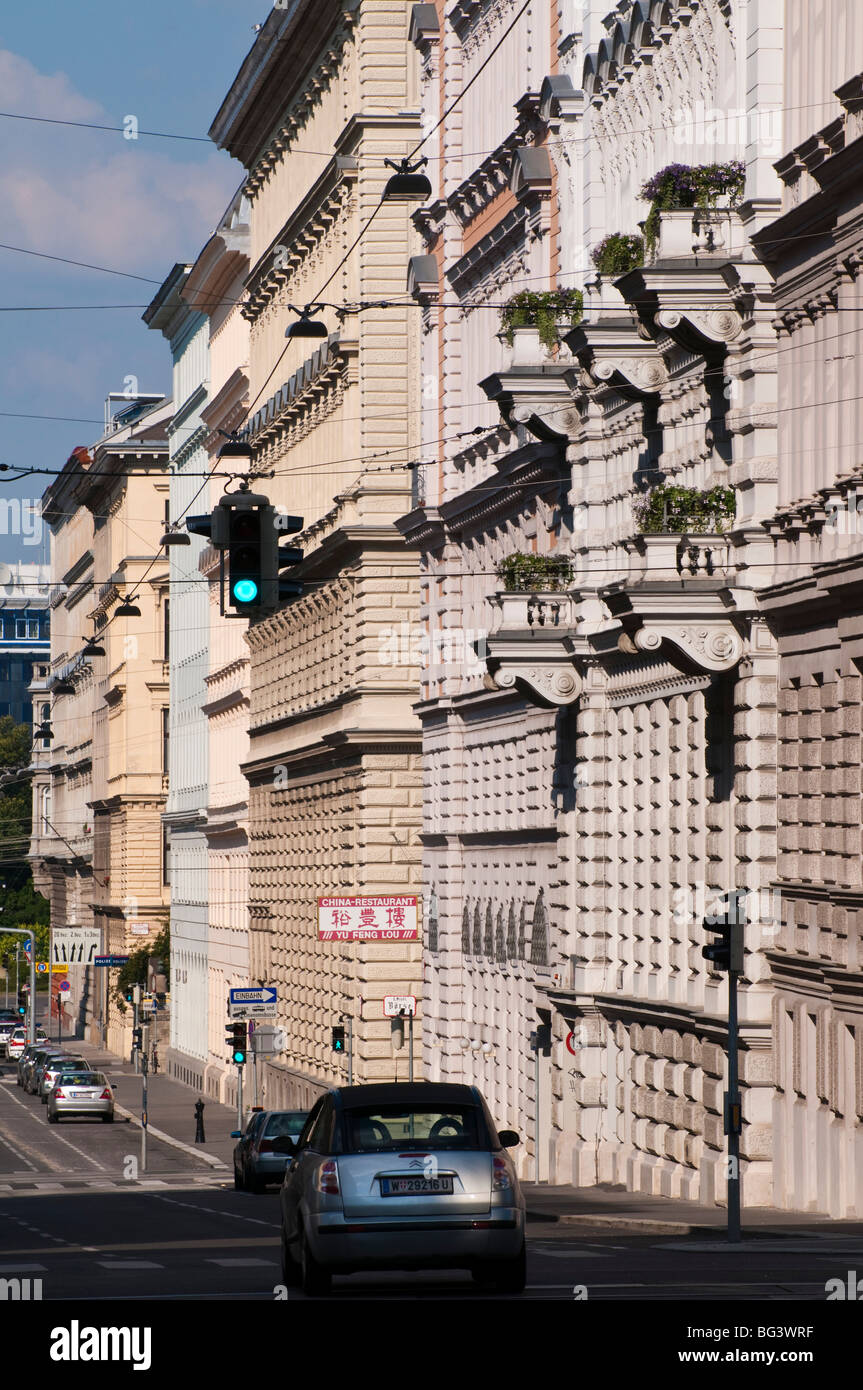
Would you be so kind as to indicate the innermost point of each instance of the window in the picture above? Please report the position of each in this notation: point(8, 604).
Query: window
point(166, 739)
point(26, 627)
point(45, 809)
point(166, 857)
point(389, 1128)
point(166, 635)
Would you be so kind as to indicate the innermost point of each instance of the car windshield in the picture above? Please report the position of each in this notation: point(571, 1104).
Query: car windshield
point(285, 1122)
point(385, 1128)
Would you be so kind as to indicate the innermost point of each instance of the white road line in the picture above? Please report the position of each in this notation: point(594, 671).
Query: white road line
point(60, 1139)
point(129, 1264)
point(242, 1264)
point(23, 1269)
point(211, 1211)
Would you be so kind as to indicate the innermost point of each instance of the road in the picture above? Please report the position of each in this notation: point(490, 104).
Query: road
point(77, 1213)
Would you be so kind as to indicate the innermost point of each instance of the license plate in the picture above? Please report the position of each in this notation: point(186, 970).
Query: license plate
point(410, 1187)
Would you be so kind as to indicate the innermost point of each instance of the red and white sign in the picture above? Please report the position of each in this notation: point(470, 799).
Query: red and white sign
point(367, 919)
point(397, 1004)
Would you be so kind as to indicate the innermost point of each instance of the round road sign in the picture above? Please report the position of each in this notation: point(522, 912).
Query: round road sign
point(571, 1044)
point(64, 985)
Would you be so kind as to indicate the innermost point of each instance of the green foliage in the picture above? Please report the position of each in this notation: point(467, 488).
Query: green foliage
point(542, 311)
point(135, 971)
point(20, 904)
point(521, 573)
point(618, 253)
point(670, 510)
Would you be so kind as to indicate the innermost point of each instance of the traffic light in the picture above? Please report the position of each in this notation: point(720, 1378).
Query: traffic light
point(727, 952)
point(338, 1039)
point(237, 1040)
point(249, 532)
point(129, 994)
point(137, 1038)
point(286, 557)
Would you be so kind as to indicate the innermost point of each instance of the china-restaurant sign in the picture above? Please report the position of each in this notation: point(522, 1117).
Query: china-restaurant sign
point(367, 919)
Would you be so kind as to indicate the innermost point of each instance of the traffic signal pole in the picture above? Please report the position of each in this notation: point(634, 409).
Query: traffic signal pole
point(31, 1019)
point(732, 1114)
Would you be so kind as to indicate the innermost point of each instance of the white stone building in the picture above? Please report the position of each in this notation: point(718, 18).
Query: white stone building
point(614, 771)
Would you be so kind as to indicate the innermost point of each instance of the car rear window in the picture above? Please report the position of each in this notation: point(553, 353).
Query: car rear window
point(285, 1122)
point(83, 1078)
point(387, 1128)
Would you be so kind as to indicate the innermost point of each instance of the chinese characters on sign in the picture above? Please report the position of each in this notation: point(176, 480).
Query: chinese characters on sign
point(367, 919)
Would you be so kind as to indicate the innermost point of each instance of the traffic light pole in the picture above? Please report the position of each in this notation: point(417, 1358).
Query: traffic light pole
point(732, 1114)
point(239, 1095)
point(31, 1019)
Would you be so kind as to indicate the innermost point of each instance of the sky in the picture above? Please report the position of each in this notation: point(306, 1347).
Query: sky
point(137, 206)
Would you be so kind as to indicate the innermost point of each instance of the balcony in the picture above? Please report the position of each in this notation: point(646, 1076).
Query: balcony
point(532, 646)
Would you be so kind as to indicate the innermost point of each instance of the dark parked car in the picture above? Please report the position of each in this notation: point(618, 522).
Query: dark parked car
point(403, 1175)
point(256, 1162)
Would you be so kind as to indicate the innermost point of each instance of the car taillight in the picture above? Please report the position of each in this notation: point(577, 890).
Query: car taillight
point(266, 1146)
point(106, 1094)
point(500, 1178)
point(58, 1094)
point(328, 1178)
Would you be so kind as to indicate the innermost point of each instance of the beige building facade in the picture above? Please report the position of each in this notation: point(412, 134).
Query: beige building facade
point(98, 855)
point(333, 769)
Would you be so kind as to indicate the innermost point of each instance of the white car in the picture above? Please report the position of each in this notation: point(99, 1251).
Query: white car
point(18, 1041)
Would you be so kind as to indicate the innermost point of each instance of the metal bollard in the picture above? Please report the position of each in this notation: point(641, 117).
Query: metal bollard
point(199, 1122)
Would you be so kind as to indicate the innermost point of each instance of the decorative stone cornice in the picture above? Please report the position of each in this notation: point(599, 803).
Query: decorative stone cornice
point(537, 397)
point(695, 618)
point(613, 353)
point(531, 648)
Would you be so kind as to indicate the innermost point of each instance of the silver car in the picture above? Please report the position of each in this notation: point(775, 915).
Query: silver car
point(54, 1069)
point(410, 1175)
point(81, 1093)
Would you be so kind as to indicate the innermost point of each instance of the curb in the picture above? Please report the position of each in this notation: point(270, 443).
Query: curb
point(638, 1225)
point(169, 1139)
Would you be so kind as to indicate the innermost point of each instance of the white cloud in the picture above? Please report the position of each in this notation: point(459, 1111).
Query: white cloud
point(94, 196)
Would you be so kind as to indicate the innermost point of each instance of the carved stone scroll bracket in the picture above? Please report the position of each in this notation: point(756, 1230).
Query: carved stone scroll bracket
point(545, 683)
point(715, 327)
point(717, 647)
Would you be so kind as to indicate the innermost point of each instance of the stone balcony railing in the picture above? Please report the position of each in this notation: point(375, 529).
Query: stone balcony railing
point(688, 232)
point(681, 556)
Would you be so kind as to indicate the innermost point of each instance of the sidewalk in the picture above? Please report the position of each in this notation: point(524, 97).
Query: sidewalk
point(170, 1108)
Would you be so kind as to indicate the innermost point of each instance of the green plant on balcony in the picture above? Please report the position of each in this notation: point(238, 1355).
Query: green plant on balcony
point(527, 573)
point(671, 510)
point(546, 312)
point(689, 186)
point(618, 253)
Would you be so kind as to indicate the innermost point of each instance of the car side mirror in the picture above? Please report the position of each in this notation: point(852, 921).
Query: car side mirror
point(284, 1144)
point(236, 1134)
point(508, 1138)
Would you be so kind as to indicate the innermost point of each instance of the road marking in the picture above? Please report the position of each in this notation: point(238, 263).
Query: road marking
point(129, 1264)
point(23, 1269)
point(60, 1139)
point(212, 1211)
point(242, 1264)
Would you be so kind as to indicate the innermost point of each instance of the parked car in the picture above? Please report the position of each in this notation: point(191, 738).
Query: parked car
point(402, 1175)
point(81, 1093)
point(54, 1068)
point(256, 1162)
point(36, 1065)
point(7, 1028)
point(16, 1044)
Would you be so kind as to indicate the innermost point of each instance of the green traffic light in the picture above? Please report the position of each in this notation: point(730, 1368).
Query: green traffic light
point(239, 1057)
point(245, 591)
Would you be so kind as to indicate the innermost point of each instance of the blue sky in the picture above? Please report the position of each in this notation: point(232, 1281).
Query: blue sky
point(137, 206)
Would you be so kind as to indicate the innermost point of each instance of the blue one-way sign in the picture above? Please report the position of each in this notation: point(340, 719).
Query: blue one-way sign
point(253, 1002)
point(260, 994)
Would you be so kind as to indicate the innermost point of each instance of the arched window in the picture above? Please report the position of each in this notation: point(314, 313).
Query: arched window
point(539, 935)
point(489, 933)
point(432, 926)
point(511, 935)
point(465, 931)
point(477, 931)
point(499, 944)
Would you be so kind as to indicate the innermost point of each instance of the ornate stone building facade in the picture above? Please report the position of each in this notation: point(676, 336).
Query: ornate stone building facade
point(333, 768)
point(97, 853)
point(615, 769)
point(814, 604)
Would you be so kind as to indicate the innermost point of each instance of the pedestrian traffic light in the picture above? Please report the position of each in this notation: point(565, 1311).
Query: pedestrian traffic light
point(238, 1041)
point(136, 1038)
point(338, 1039)
point(129, 993)
point(727, 952)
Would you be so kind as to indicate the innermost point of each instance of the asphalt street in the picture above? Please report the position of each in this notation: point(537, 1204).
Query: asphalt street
point(77, 1212)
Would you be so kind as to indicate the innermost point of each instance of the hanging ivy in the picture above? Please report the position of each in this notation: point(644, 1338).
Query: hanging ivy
point(521, 573)
point(548, 312)
point(671, 510)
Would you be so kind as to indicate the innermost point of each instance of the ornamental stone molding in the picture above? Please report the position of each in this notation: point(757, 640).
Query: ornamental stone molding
point(531, 647)
point(696, 620)
point(612, 353)
point(716, 326)
point(546, 683)
point(537, 397)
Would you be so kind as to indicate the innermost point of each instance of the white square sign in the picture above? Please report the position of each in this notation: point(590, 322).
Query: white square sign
point(74, 945)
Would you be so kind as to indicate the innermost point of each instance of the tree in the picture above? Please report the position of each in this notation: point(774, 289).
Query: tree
point(20, 904)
